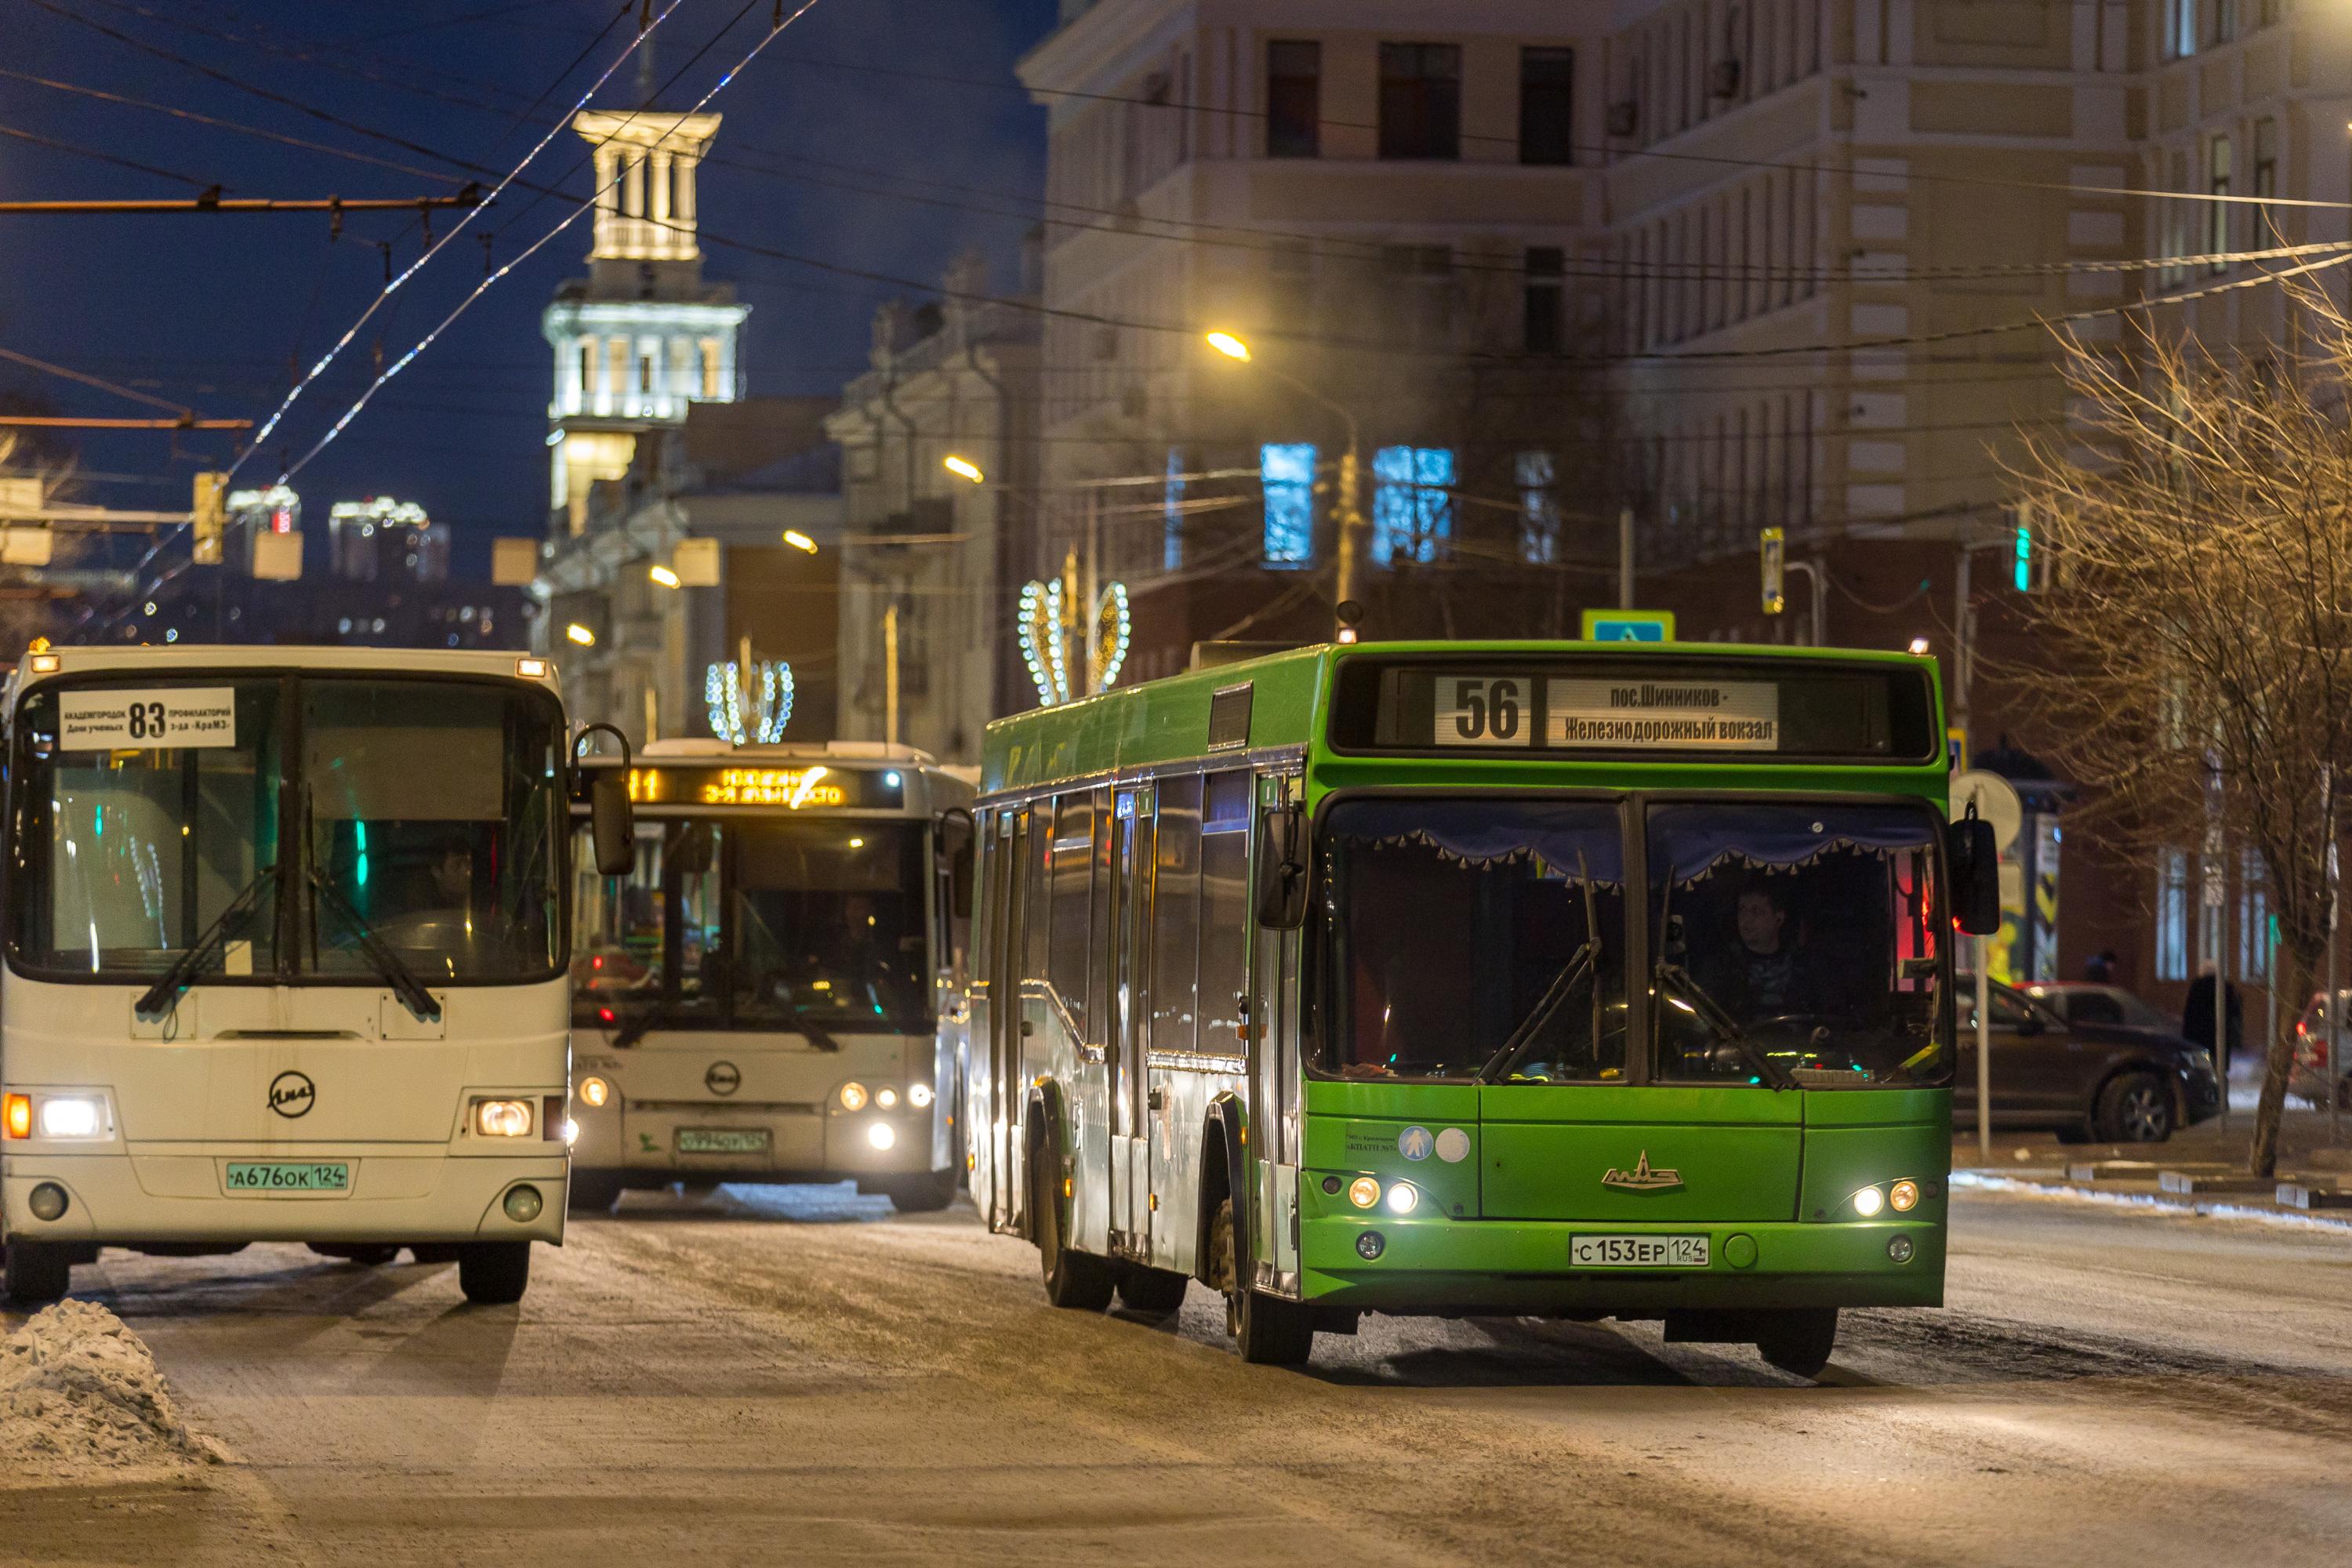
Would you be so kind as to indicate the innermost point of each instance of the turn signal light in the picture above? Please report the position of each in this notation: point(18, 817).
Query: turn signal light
point(1904, 1196)
point(19, 1115)
point(853, 1097)
point(1363, 1192)
point(594, 1092)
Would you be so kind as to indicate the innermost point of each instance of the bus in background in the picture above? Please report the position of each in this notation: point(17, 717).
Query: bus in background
point(775, 991)
point(287, 958)
point(1515, 979)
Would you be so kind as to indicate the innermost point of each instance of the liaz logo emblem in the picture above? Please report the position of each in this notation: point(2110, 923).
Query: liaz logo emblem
point(722, 1078)
point(1642, 1179)
point(291, 1094)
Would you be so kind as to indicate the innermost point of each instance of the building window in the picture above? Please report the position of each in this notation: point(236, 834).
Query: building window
point(1547, 98)
point(1413, 506)
point(2217, 214)
point(1546, 265)
point(2253, 920)
point(1290, 284)
point(710, 367)
point(1421, 101)
point(2224, 14)
point(1171, 511)
point(616, 366)
point(2265, 180)
point(2182, 25)
point(1286, 473)
point(1294, 99)
point(1420, 291)
point(588, 366)
point(2172, 915)
point(1537, 472)
point(645, 372)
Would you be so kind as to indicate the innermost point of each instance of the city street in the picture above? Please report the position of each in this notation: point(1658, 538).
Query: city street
point(800, 1375)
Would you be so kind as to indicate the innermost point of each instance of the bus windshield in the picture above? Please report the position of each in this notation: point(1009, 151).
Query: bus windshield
point(748, 924)
point(1471, 938)
point(1797, 945)
point(433, 811)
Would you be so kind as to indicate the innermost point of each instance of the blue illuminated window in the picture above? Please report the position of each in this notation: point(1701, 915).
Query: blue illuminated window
point(1171, 506)
point(1412, 507)
point(1539, 507)
point(1287, 473)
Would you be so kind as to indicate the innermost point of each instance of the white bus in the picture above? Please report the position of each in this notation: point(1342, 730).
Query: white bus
point(774, 992)
point(287, 957)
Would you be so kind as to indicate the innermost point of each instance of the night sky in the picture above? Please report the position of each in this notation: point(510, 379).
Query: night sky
point(209, 311)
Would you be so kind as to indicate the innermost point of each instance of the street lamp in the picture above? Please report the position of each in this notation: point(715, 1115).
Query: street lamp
point(581, 635)
point(662, 576)
point(964, 468)
point(1349, 511)
point(800, 542)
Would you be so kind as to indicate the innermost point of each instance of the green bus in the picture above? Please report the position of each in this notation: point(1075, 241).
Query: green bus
point(1478, 979)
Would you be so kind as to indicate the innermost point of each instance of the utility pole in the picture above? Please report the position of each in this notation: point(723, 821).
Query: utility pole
point(890, 671)
point(1350, 513)
point(1817, 571)
point(1089, 588)
point(1961, 618)
point(1624, 557)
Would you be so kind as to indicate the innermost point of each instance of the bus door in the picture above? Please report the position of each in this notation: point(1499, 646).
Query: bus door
point(1125, 1035)
point(1089, 813)
point(1273, 1028)
point(1005, 913)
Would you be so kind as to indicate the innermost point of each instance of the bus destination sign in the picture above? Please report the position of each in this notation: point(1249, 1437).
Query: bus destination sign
point(811, 787)
point(1741, 716)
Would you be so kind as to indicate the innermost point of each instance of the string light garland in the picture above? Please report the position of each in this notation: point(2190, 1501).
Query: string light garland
point(1044, 636)
point(722, 696)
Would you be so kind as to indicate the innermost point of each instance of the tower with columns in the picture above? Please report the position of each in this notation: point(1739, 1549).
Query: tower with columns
point(642, 336)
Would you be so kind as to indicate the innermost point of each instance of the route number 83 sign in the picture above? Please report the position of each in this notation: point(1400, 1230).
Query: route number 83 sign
point(147, 719)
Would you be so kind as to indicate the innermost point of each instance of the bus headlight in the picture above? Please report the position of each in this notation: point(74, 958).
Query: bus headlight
point(919, 1096)
point(886, 1098)
point(1402, 1198)
point(502, 1117)
point(881, 1134)
point(1904, 1196)
point(71, 1116)
point(1363, 1192)
point(1868, 1201)
point(594, 1092)
point(853, 1097)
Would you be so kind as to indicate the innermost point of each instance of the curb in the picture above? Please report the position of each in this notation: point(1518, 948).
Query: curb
point(2157, 1202)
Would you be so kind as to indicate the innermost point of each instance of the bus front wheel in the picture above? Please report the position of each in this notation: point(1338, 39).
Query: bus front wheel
point(1799, 1341)
point(494, 1273)
point(1265, 1329)
point(926, 1193)
point(1077, 1280)
point(38, 1272)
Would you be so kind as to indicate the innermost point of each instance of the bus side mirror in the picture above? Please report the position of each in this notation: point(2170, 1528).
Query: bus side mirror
point(612, 821)
point(956, 838)
point(1976, 876)
point(1282, 868)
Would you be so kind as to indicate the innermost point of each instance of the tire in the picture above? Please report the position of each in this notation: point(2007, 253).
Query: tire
point(38, 1272)
point(2134, 1108)
point(1077, 1280)
point(494, 1273)
point(593, 1192)
point(1799, 1341)
point(367, 1256)
point(1152, 1292)
point(927, 1194)
point(1267, 1329)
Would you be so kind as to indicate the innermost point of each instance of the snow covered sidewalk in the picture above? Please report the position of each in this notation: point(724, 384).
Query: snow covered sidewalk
point(81, 1403)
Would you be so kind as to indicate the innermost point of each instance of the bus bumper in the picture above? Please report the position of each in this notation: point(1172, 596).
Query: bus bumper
point(124, 1199)
point(799, 1146)
point(1507, 1268)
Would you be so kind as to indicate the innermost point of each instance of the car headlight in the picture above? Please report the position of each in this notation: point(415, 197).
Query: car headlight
point(2201, 1059)
point(72, 1116)
point(921, 1096)
point(502, 1117)
point(853, 1097)
point(1868, 1201)
point(594, 1092)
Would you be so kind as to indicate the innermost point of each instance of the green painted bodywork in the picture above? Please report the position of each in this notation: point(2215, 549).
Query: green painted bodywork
point(1491, 1229)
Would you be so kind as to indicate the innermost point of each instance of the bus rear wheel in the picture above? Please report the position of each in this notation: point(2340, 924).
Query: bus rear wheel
point(1153, 1292)
point(1267, 1329)
point(926, 1193)
point(494, 1273)
point(38, 1272)
point(1799, 1341)
point(1077, 1280)
point(594, 1192)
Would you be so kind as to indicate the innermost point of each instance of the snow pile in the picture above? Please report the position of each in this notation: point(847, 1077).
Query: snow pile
point(81, 1400)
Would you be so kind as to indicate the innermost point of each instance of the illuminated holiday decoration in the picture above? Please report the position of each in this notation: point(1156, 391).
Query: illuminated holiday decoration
point(733, 718)
point(1047, 632)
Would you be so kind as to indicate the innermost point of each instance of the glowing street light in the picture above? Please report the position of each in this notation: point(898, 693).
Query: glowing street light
point(581, 635)
point(1230, 346)
point(964, 468)
point(800, 542)
point(662, 576)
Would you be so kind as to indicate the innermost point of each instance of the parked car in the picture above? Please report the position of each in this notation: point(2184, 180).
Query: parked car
point(2087, 1081)
point(2096, 1002)
point(2308, 1078)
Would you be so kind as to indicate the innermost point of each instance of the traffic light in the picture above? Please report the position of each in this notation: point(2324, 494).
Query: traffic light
point(209, 515)
point(1774, 548)
point(2029, 562)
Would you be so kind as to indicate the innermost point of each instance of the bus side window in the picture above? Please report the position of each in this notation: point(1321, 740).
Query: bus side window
point(1176, 918)
point(1225, 912)
point(1073, 908)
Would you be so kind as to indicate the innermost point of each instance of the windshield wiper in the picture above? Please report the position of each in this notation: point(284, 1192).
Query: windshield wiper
point(1579, 968)
point(385, 963)
point(1708, 1011)
point(164, 995)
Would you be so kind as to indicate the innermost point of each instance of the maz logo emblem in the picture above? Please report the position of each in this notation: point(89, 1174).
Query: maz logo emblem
point(291, 1094)
point(1642, 1179)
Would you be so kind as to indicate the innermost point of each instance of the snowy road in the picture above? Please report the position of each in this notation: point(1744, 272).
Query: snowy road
point(812, 1381)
